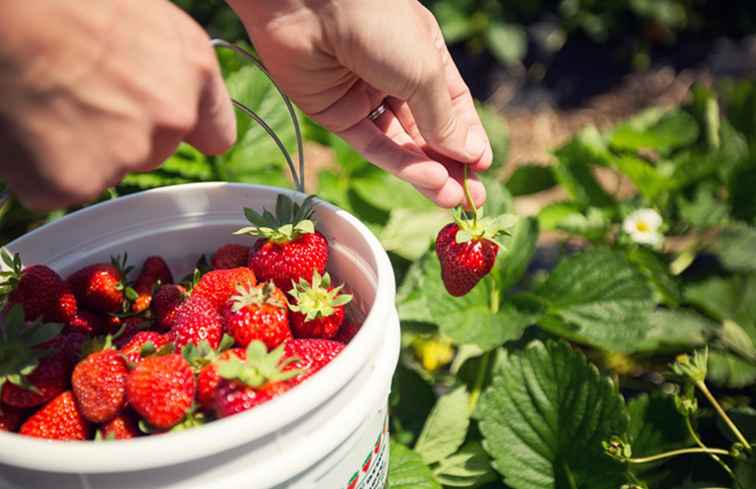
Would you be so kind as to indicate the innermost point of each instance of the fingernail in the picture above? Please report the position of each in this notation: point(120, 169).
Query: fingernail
point(476, 141)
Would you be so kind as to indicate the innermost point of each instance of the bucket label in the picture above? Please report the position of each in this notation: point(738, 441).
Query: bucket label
point(374, 470)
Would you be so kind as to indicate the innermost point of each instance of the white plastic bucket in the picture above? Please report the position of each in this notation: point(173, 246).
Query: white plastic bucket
point(327, 433)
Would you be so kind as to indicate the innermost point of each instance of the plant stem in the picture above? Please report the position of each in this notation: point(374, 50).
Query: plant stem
point(742, 439)
point(480, 378)
point(700, 443)
point(675, 453)
point(468, 197)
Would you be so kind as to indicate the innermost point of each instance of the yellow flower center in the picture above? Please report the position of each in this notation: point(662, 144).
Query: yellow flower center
point(642, 226)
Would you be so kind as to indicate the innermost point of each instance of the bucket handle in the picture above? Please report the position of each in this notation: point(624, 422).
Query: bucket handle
point(297, 176)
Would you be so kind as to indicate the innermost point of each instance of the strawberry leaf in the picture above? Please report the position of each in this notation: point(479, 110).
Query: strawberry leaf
point(446, 427)
point(407, 470)
point(545, 416)
point(599, 298)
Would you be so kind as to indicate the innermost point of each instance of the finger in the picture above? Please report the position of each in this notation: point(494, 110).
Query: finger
point(390, 148)
point(437, 117)
point(215, 130)
point(404, 114)
point(164, 144)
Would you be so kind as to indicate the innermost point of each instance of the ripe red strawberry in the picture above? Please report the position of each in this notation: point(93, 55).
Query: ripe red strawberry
point(218, 286)
point(88, 323)
point(250, 381)
point(57, 420)
point(71, 345)
point(289, 247)
point(164, 304)
point(100, 287)
point(122, 427)
point(129, 328)
point(39, 289)
point(10, 418)
point(230, 256)
point(258, 313)
point(467, 251)
point(132, 350)
point(161, 389)
point(208, 378)
point(154, 271)
point(311, 355)
point(197, 319)
point(317, 307)
point(347, 331)
point(33, 372)
point(99, 385)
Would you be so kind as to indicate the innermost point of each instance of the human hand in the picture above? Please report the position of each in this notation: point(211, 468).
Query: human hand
point(338, 59)
point(103, 89)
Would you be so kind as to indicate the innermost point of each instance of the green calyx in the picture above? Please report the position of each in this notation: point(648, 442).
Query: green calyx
point(260, 368)
point(479, 227)
point(203, 354)
point(11, 275)
point(256, 295)
point(20, 350)
point(290, 221)
point(317, 299)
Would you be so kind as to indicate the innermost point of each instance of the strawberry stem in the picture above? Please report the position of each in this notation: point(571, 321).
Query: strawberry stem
point(468, 196)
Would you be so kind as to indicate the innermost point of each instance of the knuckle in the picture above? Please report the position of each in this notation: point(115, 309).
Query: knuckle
point(444, 131)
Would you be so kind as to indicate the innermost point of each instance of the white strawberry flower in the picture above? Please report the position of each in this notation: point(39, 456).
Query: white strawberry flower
point(643, 227)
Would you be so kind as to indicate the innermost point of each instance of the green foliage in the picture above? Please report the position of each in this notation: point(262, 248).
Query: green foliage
point(543, 420)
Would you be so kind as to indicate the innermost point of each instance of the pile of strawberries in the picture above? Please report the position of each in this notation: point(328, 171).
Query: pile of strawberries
point(98, 356)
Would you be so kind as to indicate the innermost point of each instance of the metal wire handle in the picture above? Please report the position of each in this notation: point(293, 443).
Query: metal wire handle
point(297, 176)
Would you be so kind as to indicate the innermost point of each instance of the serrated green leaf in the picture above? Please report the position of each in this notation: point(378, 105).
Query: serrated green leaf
point(576, 177)
point(672, 130)
point(515, 256)
point(552, 215)
point(674, 331)
point(736, 247)
point(386, 192)
point(588, 146)
point(409, 233)
point(651, 264)
point(530, 179)
point(407, 470)
point(704, 210)
point(470, 467)
point(649, 181)
point(655, 426)
point(446, 427)
point(602, 297)
point(727, 299)
point(544, 417)
point(728, 370)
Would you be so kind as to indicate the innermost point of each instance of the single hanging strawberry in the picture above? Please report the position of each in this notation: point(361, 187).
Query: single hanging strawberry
point(218, 286)
point(258, 312)
point(289, 247)
point(100, 287)
point(230, 256)
point(467, 249)
point(99, 383)
point(154, 271)
point(39, 289)
point(317, 307)
point(161, 390)
point(164, 304)
point(59, 419)
point(31, 371)
point(250, 381)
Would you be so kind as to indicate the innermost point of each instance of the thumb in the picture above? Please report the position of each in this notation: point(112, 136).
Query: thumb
point(215, 131)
